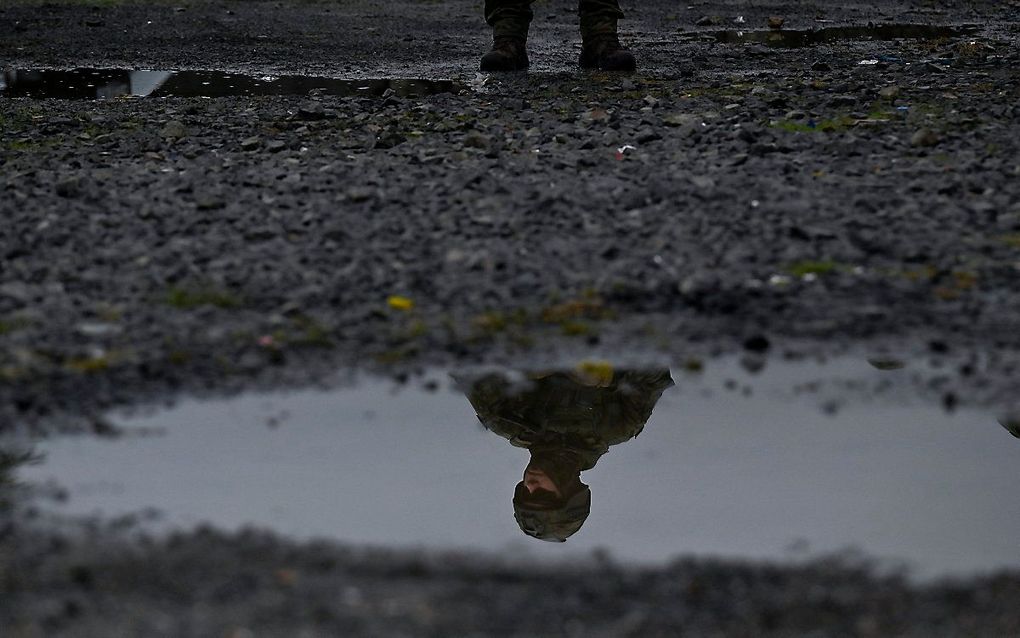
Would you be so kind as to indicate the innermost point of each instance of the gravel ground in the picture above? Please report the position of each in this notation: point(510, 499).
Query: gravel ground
point(726, 196)
point(206, 583)
point(154, 245)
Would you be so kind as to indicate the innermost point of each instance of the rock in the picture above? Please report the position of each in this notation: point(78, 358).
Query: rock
point(359, 193)
point(821, 66)
point(842, 101)
point(702, 182)
point(475, 139)
point(275, 146)
point(97, 329)
point(681, 119)
point(647, 135)
point(706, 21)
point(596, 115)
point(251, 143)
point(757, 343)
point(174, 129)
point(18, 291)
point(389, 140)
point(70, 187)
point(776, 22)
point(699, 285)
point(311, 111)
point(889, 92)
point(209, 202)
point(924, 137)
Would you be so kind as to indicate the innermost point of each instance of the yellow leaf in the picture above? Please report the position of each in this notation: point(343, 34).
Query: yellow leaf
point(595, 373)
point(400, 303)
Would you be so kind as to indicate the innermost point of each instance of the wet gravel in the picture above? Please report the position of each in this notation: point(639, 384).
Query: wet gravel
point(207, 583)
point(790, 194)
point(852, 195)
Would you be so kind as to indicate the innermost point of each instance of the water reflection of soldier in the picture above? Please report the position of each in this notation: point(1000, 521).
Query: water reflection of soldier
point(567, 420)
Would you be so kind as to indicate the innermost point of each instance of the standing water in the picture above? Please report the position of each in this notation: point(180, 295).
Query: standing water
point(798, 460)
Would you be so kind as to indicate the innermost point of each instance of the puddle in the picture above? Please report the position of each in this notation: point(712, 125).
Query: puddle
point(727, 463)
point(92, 84)
point(812, 37)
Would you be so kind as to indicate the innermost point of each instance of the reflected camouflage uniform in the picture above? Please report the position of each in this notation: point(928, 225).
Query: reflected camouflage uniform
point(510, 18)
point(556, 412)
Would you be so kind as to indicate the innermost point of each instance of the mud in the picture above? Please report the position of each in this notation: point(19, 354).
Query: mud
point(858, 195)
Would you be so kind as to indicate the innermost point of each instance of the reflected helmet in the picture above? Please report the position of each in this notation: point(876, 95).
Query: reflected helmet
point(554, 522)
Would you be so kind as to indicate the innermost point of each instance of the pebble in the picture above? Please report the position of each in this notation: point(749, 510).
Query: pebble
point(174, 129)
point(924, 137)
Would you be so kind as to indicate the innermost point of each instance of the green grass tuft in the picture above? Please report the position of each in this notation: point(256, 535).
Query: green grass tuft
point(186, 298)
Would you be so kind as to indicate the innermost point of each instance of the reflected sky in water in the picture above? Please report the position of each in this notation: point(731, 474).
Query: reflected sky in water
point(727, 464)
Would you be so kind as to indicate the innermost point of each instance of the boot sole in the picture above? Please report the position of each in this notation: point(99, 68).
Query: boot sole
point(500, 66)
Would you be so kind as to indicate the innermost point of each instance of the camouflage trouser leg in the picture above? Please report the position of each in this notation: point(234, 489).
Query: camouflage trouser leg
point(598, 17)
point(508, 17)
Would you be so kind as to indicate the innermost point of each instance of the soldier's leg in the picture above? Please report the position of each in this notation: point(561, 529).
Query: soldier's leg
point(601, 48)
point(509, 20)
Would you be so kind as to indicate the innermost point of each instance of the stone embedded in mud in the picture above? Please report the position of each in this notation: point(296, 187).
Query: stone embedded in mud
point(174, 129)
point(70, 187)
point(889, 92)
point(681, 119)
point(474, 139)
point(924, 137)
point(311, 111)
point(17, 291)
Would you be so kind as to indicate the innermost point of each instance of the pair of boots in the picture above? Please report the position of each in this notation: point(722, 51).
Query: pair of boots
point(600, 44)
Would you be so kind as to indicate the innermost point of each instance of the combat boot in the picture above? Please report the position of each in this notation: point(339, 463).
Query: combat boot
point(508, 54)
point(603, 52)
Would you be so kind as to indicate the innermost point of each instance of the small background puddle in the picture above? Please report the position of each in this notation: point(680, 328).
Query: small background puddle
point(794, 39)
point(729, 464)
point(91, 84)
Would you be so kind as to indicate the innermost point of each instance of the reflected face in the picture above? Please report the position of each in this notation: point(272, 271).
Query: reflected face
point(537, 480)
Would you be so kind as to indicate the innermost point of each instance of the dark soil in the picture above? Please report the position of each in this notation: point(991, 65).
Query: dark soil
point(726, 196)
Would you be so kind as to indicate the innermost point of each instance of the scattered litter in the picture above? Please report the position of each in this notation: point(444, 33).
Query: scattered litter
point(623, 149)
point(740, 20)
point(267, 341)
point(867, 63)
point(479, 81)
